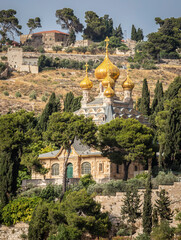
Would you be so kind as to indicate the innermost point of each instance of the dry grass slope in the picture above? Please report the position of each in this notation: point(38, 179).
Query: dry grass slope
point(62, 81)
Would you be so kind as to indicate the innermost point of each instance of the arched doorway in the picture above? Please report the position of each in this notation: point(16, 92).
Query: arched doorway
point(70, 170)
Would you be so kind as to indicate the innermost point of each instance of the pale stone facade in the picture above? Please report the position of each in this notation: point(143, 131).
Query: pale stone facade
point(47, 39)
point(19, 62)
point(101, 168)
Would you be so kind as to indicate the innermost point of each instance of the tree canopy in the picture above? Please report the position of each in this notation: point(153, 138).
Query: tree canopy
point(124, 141)
point(33, 23)
point(9, 25)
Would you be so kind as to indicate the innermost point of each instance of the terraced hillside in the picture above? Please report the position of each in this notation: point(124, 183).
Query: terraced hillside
point(62, 81)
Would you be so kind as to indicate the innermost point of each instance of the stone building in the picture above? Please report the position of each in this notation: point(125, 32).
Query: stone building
point(103, 109)
point(19, 62)
point(46, 39)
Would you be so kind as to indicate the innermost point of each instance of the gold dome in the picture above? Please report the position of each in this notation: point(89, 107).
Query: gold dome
point(101, 70)
point(86, 83)
point(108, 80)
point(109, 92)
point(128, 84)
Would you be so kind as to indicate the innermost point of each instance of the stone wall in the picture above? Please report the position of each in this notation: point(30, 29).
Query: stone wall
point(113, 204)
point(15, 232)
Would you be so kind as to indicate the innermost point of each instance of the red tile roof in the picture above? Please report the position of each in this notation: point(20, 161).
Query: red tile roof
point(52, 31)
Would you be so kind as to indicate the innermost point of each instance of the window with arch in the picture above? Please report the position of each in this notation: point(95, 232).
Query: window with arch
point(55, 169)
point(85, 168)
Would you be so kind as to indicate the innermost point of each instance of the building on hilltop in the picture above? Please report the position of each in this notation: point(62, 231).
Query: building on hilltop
point(103, 109)
point(46, 39)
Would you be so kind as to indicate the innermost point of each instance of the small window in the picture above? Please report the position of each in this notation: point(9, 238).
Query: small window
point(86, 168)
point(117, 168)
point(55, 169)
point(136, 168)
point(101, 167)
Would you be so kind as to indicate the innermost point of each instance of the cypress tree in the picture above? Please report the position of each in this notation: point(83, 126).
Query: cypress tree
point(157, 104)
point(52, 106)
point(155, 218)
point(163, 206)
point(145, 100)
point(72, 104)
point(69, 98)
point(133, 33)
point(173, 89)
point(147, 207)
point(139, 34)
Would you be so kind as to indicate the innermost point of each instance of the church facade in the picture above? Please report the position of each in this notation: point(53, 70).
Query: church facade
point(106, 107)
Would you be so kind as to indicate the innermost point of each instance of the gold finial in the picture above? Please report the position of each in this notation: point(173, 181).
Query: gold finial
point(107, 44)
point(128, 83)
point(86, 68)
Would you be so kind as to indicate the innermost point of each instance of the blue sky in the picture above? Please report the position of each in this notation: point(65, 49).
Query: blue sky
point(141, 13)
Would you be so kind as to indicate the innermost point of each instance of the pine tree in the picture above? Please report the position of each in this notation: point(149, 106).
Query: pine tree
point(163, 206)
point(131, 207)
point(117, 32)
point(157, 104)
point(133, 33)
point(52, 106)
point(145, 100)
point(147, 207)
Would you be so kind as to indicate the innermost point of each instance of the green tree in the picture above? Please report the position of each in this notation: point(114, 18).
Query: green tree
point(52, 106)
point(162, 205)
point(131, 207)
point(82, 211)
point(64, 128)
point(178, 228)
point(15, 135)
point(33, 23)
point(71, 103)
point(97, 27)
point(147, 207)
point(140, 35)
point(125, 141)
point(157, 104)
point(117, 32)
point(133, 33)
point(9, 25)
point(45, 220)
point(67, 19)
point(145, 99)
point(155, 218)
point(162, 232)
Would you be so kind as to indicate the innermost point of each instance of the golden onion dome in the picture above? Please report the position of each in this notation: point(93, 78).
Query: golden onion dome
point(109, 92)
point(108, 80)
point(128, 84)
point(86, 83)
point(101, 70)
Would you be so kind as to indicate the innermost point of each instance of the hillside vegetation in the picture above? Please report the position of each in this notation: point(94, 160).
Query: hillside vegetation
point(62, 81)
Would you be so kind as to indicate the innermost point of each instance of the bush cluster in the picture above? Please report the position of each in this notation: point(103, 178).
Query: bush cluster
point(45, 63)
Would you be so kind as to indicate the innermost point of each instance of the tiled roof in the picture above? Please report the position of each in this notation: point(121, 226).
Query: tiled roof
point(52, 31)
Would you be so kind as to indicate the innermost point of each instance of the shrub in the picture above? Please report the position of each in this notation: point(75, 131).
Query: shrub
point(164, 179)
point(44, 98)
point(2, 67)
point(31, 192)
point(19, 210)
point(6, 93)
point(4, 58)
point(33, 95)
point(17, 94)
point(41, 49)
point(68, 50)
point(143, 236)
point(162, 232)
point(4, 48)
point(57, 48)
point(28, 49)
point(51, 192)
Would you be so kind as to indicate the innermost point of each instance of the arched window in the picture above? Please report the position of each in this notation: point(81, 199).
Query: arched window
point(85, 168)
point(55, 169)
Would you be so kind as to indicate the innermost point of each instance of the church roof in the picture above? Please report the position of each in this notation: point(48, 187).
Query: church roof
point(49, 154)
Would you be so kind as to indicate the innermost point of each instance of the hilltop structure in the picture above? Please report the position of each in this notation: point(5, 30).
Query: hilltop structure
point(47, 39)
point(105, 107)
